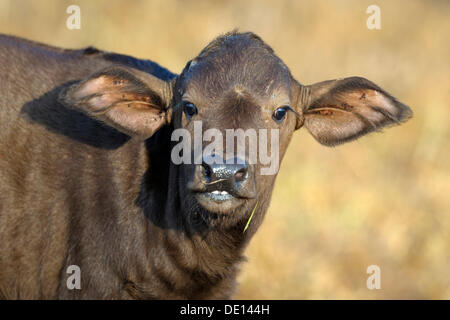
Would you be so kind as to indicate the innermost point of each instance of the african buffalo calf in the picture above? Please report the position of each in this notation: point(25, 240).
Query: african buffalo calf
point(87, 176)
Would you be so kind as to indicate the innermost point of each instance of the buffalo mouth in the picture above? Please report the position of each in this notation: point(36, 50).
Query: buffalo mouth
point(221, 194)
point(219, 201)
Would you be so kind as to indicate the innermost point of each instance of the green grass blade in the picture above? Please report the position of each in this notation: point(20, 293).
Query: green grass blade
point(250, 219)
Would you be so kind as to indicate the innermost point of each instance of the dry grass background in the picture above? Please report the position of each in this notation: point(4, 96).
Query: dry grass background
point(382, 200)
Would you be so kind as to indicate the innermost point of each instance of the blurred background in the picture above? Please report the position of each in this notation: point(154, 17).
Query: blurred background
point(382, 200)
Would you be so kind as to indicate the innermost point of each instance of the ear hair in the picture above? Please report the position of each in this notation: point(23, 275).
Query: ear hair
point(337, 111)
point(132, 101)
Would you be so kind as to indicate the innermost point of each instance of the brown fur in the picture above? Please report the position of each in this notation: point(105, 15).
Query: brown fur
point(85, 169)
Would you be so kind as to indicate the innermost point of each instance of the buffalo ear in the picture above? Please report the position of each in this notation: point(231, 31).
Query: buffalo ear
point(346, 109)
point(129, 100)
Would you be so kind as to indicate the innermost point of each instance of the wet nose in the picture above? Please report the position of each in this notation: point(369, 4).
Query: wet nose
point(234, 171)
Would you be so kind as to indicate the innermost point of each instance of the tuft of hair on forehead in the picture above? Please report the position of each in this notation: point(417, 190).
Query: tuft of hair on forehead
point(234, 39)
point(237, 43)
point(235, 61)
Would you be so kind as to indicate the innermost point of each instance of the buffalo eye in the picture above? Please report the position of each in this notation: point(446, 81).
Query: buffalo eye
point(190, 109)
point(280, 114)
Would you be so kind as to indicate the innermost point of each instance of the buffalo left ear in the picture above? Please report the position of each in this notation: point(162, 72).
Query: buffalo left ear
point(129, 100)
point(338, 111)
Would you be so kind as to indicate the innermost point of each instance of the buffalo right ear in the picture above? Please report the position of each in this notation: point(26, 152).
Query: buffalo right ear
point(342, 110)
point(129, 100)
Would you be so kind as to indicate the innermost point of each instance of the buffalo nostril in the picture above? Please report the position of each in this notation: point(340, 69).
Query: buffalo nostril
point(207, 170)
point(240, 174)
point(223, 171)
